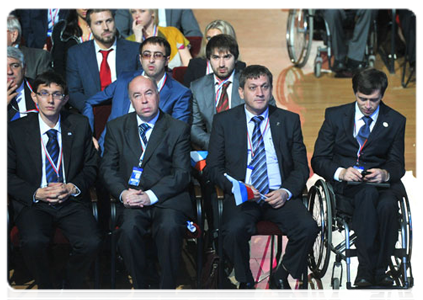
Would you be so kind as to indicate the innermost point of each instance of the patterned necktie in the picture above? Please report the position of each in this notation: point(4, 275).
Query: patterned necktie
point(364, 131)
point(223, 103)
point(15, 108)
point(105, 73)
point(53, 151)
point(143, 129)
point(259, 174)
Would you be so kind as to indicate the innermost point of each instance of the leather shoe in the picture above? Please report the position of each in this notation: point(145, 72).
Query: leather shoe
point(284, 289)
point(362, 282)
point(245, 291)
point(279, 284)
point(385, 280)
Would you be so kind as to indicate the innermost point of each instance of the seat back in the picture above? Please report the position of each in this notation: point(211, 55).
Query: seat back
point(178, 73)
point(195, 42)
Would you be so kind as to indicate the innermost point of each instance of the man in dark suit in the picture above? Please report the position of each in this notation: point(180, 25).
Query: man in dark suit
point(175, 99)
point(19, 101)
point(183, 19)
point(37, 60)
point(84, 71)
point(209, 91)
point(51, 165)
point(146, 165)
point(363, 142)
point(274, 149)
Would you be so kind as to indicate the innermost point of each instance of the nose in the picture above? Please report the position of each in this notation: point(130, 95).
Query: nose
point(9, 70)
point(259, 91)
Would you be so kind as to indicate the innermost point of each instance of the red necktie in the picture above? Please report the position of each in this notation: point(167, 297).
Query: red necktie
point(223, 103)
point(105, 73)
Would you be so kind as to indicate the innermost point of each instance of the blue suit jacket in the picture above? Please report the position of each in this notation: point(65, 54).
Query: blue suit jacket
point(175, 99)
point(82, 74)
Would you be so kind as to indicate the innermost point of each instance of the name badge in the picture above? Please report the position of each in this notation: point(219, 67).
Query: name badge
point(360, 168)
point(135, 176)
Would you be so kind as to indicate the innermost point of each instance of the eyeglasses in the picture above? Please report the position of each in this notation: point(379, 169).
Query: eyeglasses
point(55, 95)
point(156, 55)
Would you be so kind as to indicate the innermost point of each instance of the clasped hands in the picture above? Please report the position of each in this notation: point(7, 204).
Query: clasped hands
point(135, 198)
point(55, 192)
point(373, 175)
point(275, 199)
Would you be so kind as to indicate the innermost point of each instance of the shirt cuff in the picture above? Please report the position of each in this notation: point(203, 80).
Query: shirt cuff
point(289, 193)
point(337, 173)
point(78, 191)
point(152, 196)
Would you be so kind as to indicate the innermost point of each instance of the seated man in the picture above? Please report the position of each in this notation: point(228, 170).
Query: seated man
point(175, 99)
point(269, 141)
point(363, 142)
point(19, 101)
point(51, 165)
point(349, 54)
point(146, 164)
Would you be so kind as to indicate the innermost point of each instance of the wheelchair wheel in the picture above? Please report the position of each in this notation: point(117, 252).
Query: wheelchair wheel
point(336, 283)
point(320, 207)
point(299, 35)
point(317, 69)
point(400, 266)
point(314, 283)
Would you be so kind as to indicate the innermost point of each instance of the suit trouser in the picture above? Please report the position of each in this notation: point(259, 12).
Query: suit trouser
point(239, 224)
point(36, 225)
point(167, 227)
point(357, 45)
point(375, 223)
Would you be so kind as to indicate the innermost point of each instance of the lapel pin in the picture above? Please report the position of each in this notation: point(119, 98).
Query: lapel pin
point(385, 124)
point(277, 123)
point(69, 133)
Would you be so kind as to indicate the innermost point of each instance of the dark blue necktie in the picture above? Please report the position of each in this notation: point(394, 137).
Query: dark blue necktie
point(53, 151)
point(259, 174)
point(15, 106)
point(143, 129)
point(364, 131)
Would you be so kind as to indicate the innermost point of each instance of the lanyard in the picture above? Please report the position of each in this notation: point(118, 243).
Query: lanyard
point(53, 18)
point(219, 90)
point(162, 82)
point(258, 143)
point(59, 162)
point(154, 33)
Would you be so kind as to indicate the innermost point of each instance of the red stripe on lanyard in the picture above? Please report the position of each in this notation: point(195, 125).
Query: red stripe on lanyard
point(56, 170)
point(258, 143)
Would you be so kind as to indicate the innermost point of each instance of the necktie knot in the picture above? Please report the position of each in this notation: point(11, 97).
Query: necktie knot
point(52, 134)
point(105, 53)
point(257, 119)
point(367, 120)
point(143, 129)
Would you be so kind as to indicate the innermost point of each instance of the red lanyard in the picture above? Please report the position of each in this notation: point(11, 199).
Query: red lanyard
point(258, 143)
point(56, 169)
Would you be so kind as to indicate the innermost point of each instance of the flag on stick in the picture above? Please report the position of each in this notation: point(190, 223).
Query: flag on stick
point(241, 192)
point(198, 159)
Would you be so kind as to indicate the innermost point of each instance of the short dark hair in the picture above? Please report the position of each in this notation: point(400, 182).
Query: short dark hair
point(48, 78)
point(91, 11)
point(222, 42)
point(254, 71)
point(157, 40)
point(368, 80)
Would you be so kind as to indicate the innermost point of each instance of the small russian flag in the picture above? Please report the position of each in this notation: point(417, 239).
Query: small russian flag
point(198, 159)
point(241, 192)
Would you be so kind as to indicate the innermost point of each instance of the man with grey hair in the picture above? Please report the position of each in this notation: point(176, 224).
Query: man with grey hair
point(19, 101)
point(37, 60)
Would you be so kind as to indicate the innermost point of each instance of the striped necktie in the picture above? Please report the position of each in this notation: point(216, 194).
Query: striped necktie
point(259, 174)
point(223, 103)
point(53, 151)
point(143, 129)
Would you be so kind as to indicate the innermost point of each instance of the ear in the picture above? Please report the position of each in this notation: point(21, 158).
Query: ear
point(34, 98)
point(241, 93)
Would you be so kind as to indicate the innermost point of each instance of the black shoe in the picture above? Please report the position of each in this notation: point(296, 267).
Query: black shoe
point(245, 291)
point(279, 284)
point(284, 289)
point(385, 280)
point(338, 66)
point(362, 282)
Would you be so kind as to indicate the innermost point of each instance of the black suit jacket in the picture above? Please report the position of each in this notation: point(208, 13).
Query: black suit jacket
point(336, 146)
point(24, 167)
point(228, 148)
point(28, 100)
point(166, 163)
point(197, 69)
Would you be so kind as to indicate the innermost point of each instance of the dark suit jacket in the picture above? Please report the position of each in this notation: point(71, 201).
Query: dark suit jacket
point(82, 73)
point(34, 25)
point(175, 100)
point(336, 146)
point(228, 148)
point(24, 160)
point(204, 108)
point(166, 161)
point(28, 100)
point(197, 69)
point(37, 61)
point(183, 19)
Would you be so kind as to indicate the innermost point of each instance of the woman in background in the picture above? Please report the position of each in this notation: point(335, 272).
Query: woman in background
point(199, 66)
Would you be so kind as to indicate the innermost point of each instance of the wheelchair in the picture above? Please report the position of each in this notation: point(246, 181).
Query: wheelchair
point(304, 25)
point(332, 214)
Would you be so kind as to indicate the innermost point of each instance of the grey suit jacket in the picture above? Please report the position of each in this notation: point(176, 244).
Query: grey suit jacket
point(37, 61)
point(204, 108)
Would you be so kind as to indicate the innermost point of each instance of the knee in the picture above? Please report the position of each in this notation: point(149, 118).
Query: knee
point(368, 196)
point(34, 243)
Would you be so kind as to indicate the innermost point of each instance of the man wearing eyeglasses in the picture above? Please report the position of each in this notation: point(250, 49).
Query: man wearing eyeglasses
point(175, 99)
point(51, 165)
point(19, 101)
point(360, 151)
